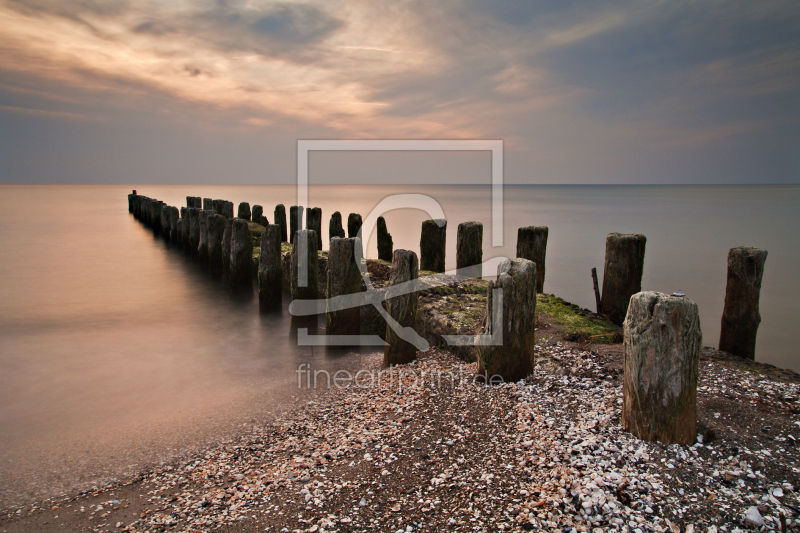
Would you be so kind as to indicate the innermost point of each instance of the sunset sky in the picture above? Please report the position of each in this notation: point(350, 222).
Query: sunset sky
point(173, 91)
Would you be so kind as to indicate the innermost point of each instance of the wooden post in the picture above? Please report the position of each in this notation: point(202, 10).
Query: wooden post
point(596, 292)
point(741, 317)
point(208, 204)
point(257, 212)
point(385, 244)
point(402, 308)
point(241, 278)
point(295, 221)
point(174, 216)
point(432, 245)
point(202, 243)
point(662, 352)
point(270, 271)
point(622, 277)
point(335, 228)
point(244, 211)
point(532, 244)
point(280, 219)
point(305, 239)
point(515, 358)
point(216, 230)
point(164, 223)
point(226, 248)
point(353, 225)
point(344, 278)
point(227, 210)
point(194, 229)
point(469, 249)
point(314, 221)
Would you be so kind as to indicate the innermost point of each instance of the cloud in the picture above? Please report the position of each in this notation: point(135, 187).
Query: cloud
point(42, 112)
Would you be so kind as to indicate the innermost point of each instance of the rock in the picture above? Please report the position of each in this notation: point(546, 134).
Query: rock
point(344, 278)
point(244, 211)
point(208, 204)
point(295, 220)
point(257, 212)
point(753, 517)
point(469, 249)
point(741, 317)
point(314, 222)
point(305, 240)
point(532, 244)
point(335, 226)
point(622, 277)
point(241, 277)
point(216, 231)
point(270, 271)
point(353, 225)
point(515, 357)
point(662, 340)
point(432, 245)
point(280, 219)
point(385, 244)
point(403, 308)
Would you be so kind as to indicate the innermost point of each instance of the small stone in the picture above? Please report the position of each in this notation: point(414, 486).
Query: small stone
point(753, 517)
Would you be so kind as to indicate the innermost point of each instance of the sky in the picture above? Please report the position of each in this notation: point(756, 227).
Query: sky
point(176, 91)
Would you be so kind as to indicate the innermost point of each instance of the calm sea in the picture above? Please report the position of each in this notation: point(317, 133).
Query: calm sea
point(117, 352)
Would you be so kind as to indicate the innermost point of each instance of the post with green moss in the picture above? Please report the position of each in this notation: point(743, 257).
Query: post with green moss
point(469, 249)
point(270, 271)
point(661, 356)
point(244, 211)
point(401, 307)
point(202, 244)
point(314, 221)
point(305, 239)
point(335, 228)
point(216, 230)
point(257, 212)
point(241, 278)
point(344, 278)
point(532, 244)
point(295, 221)
point(512, 355)
point(353, 225)
point(432, 245)
point(385, 244)
point(741, 317)
point(280, 219)
point(622, 277)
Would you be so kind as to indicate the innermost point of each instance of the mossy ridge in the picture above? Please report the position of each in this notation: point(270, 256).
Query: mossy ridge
point(576, 320)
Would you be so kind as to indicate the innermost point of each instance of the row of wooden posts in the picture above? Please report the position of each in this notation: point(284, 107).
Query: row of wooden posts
point(662, 335)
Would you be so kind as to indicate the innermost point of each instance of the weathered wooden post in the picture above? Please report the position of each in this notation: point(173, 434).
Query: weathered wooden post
point(216, 230)
point(432, 242)
point(226, 248)
point(244, 211)
point(257, 212)
point(270, 270)
point(532, 244)
point(131, 201)
point(622, 277)
point(264, 221)
point(662, 352)
point(469, 249)
point(155, 215)
point(218, 206)
point(314, 221)
point(295, 220)
point(344, 278)
point(164, 222)
point(194, 229)
point(202, 243)
point(385, 244)
point(184, 229)
point(227, 209)
point(174, 217)
point(194, 201)
point(741, 317)
point(402, 307)
point(335, 226)
point(208, 204)
point(353, 225)
point(280, 219)
point(241, 278)
point(514, 311)
point(305, 239)
point(190, 201)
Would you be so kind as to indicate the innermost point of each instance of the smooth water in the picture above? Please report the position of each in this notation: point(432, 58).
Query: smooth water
point(117, 351)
